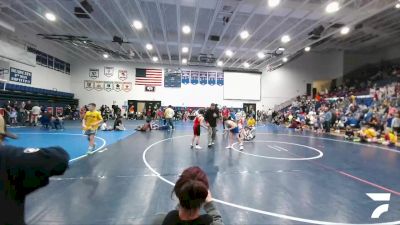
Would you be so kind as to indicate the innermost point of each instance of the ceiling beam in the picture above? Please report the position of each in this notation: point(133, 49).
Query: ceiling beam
point(320, 20)
point(270, 15)
point(65, 23)
point(118, 29)
point(216, 11)
point(360, 19)
point(178, 27)
point(252, 13)
point(196, 17)
point(139, 7)
point(41, 27)
point(161, 16)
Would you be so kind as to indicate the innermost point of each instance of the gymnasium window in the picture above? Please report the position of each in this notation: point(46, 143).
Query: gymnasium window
point(50, 62)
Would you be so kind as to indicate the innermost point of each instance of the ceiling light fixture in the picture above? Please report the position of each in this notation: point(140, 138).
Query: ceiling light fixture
point(281, 49)
point(261, 55)
point(244, 34)
point(307, 49)
point(246, 65)
point(105, 55)
point(332, 7)
point(186, 29)
point(149, 47)
point(185, 49)
point(229, 53)
point(220, 63)
point(285, 59)
point(345, 30)
point(184, 61)
point(155, 59)
point(137, 25)
point(285, 38)
point(397, 6)
point(273, 3)
point(50, 16)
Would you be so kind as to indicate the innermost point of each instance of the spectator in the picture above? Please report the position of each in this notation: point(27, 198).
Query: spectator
point(327, 120)
point(36, 110)
point(192, 191)
point(118, 126)
point(22, 172)
point(395, 125)
point(169, 115)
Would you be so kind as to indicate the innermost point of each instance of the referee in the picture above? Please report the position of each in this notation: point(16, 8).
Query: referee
point(23, 171)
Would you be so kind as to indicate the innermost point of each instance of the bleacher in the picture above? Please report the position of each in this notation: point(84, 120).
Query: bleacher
point(21, 92)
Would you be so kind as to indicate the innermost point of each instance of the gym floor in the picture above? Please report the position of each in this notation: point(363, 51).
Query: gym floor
point(282, 177)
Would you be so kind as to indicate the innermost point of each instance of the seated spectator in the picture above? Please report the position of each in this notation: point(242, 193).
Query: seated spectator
point(118, 126)
point(368, 134)
point(45, 120)
point(349, 134)
point(57, 122)
point(104, 126)
point(192, 191)
point(390, 138)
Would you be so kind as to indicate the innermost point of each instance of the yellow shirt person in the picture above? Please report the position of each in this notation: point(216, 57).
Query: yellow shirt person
point(90, 123)
point(251, 122)
point(92, 120)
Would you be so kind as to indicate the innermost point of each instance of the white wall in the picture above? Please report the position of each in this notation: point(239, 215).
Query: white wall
point(187, 95)
point(42, 77)
point(291, 79)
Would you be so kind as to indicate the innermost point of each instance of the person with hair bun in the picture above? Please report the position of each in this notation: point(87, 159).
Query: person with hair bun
point(192, 191)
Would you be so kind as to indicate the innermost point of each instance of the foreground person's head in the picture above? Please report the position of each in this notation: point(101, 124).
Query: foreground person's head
point(192, 189)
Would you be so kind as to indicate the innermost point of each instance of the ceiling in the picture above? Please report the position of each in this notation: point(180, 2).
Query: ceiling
point(371, 22)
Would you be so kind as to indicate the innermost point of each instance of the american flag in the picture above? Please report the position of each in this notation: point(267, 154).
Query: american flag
point(149, 77)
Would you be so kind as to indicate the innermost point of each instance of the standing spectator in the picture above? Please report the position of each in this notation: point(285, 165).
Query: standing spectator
point(169, 115)
point(131, 112)
point(22, 113)
point(211, 117)
point(327, 120)
point(28, 110)
point(396, 124)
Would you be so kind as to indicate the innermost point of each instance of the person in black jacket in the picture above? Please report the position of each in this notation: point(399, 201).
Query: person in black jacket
point(211, 116)
point(23, 171)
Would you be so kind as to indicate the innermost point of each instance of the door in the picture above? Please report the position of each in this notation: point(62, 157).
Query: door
point(249, 108)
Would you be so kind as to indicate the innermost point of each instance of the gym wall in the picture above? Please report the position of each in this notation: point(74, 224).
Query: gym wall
point(187, 95)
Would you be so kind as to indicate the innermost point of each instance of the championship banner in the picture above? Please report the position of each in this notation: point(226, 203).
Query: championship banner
point(118, 86)
point(59, 110)
point(122, 74)
point(172, 78)
point(20, 76)
point(149, 89)
point(50, 110)
point(127, 86)
point(194, 77)
point(212, 77)
point(108, 71)
point(108, 85)
point(89, 85)
point(203, 78)
point(220, 78)
point(99, 85)
point(94, 73)
point(185, 77)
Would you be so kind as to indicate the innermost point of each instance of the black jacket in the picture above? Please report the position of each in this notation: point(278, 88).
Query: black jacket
point(22, 171)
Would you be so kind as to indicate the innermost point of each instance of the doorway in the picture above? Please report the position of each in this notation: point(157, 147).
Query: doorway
point(250, 108)
point(141, 106)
